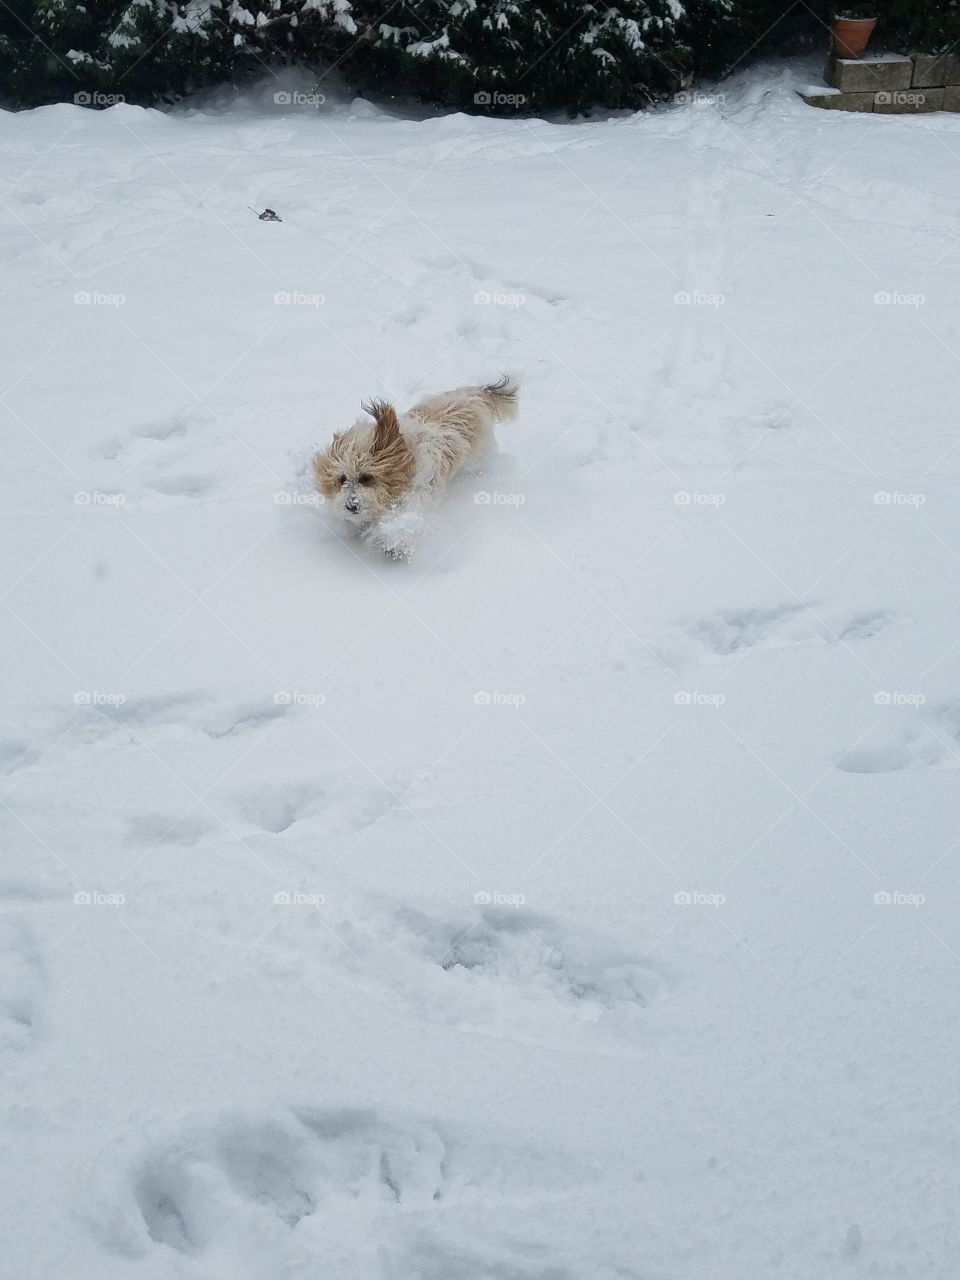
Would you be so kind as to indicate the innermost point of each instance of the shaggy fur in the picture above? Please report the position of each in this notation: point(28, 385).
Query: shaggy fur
point(387, 464)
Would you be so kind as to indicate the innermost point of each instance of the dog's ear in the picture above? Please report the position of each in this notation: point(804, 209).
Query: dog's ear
point(388, 428)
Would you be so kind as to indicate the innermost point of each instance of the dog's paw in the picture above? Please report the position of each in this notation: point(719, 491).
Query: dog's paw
point(396, 536)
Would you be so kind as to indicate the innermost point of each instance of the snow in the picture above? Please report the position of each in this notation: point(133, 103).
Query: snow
point(579, 900)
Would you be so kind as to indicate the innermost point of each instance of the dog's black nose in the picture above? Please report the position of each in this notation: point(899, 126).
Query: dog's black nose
point(352, 505)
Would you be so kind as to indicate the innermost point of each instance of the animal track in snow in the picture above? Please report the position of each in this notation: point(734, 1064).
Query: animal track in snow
point(231, 722)
point(354, 1188)
point(15, 755)
point(190, 710)
point(64, 737)
point(183, 486)
point(342, 806)
point(21, 983)
point(731, 632)
point(157, 828)
point(23, 892)
point(933, 742)
point(150, 434)
point(507, 972)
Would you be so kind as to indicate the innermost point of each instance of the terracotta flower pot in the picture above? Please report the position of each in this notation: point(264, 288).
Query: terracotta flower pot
point(850, 36)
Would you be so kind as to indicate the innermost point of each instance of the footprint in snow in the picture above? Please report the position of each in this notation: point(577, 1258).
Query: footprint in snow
point(357, 1189)
point(184, 486)
point(732, 632)
point(144, 438)
point(501, 971)
point(932, 742)
point(21, 983)
point(342, 805)
point(149, 829)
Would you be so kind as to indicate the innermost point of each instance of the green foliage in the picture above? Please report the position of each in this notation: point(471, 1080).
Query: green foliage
point(480, 55)
point(919, 26)
point(503, 54)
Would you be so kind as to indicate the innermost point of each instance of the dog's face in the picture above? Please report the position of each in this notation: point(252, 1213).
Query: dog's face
point(367, 468)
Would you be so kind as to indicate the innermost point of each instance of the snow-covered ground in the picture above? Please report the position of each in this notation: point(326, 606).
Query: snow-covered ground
point(512, 914)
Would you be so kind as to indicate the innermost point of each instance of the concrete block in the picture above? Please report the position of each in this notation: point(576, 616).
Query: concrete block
point(934, 70)
point(908, 101)
point(951, 97)
point(869, 75)
point(840, 101)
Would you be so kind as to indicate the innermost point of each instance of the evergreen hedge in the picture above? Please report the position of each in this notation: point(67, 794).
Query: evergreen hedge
point(478, 55)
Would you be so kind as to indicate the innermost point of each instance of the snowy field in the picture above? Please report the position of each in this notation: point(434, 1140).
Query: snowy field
point(579, 901)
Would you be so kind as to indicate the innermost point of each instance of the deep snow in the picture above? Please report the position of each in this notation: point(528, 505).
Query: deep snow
point(579, 901)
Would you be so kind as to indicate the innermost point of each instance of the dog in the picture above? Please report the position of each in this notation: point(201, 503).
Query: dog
point(380, 474)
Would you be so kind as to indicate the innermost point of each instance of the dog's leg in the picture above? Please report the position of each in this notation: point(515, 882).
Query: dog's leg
point(398, 533)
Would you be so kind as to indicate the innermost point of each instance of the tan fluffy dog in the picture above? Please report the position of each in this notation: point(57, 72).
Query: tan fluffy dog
point(389, 465)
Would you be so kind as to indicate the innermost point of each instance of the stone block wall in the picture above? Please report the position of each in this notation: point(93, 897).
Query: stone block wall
point(890, 84)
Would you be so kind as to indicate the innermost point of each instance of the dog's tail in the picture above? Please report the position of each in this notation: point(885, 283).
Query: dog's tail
point(501, 396)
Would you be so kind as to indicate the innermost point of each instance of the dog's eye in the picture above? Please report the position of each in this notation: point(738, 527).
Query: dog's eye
point(365, 479)
point(341, 479)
